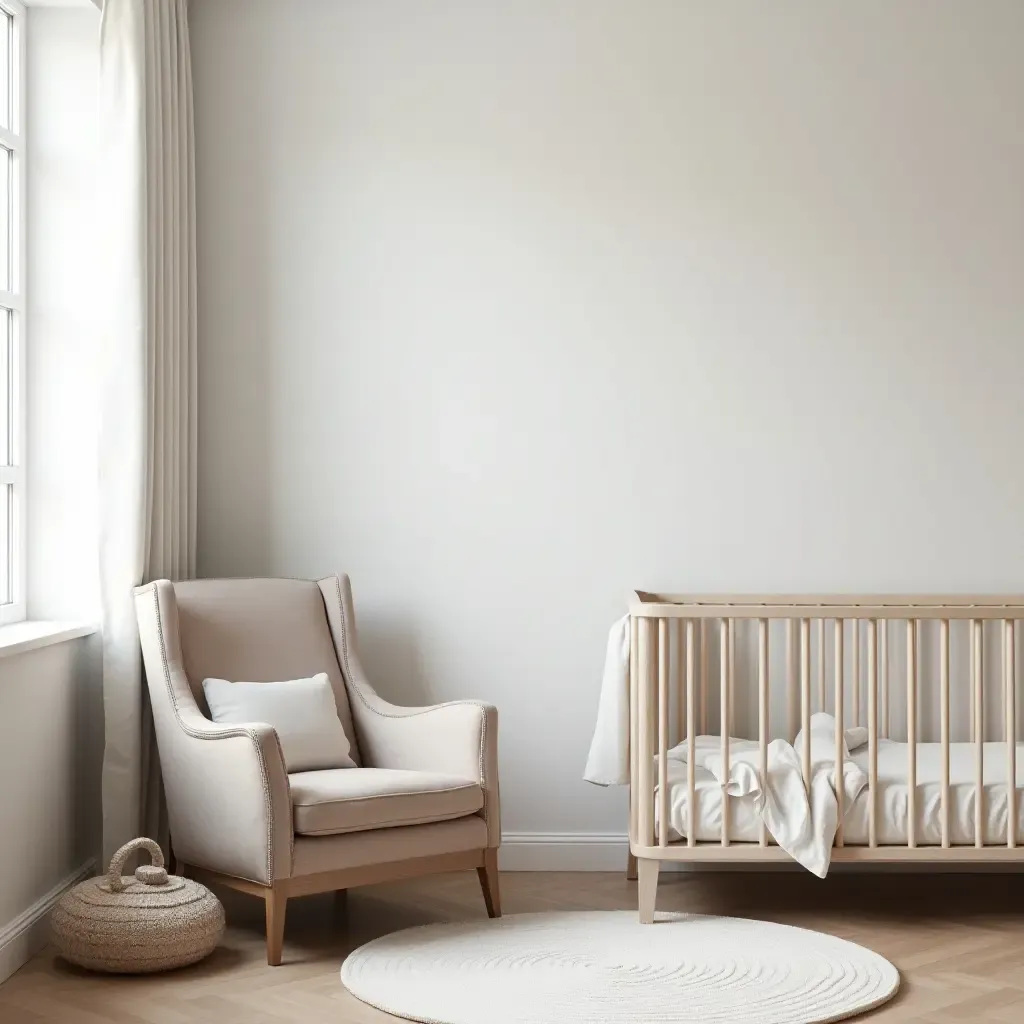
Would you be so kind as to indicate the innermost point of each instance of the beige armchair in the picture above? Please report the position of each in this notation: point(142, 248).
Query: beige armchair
point(422, 799)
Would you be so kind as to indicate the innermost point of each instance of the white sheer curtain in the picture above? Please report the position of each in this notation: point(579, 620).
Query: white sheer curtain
point(148, 436)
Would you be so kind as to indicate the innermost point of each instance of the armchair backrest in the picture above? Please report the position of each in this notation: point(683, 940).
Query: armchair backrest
point(261, 631)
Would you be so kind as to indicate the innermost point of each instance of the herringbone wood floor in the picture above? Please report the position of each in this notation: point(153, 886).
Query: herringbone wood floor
point(958, 941)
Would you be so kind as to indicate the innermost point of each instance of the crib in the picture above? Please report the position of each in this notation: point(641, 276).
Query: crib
point(933, 679)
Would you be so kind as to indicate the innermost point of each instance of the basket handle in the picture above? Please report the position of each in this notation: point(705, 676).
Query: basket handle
point(117, 861)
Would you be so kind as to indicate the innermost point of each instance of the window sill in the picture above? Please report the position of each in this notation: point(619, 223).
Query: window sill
point(20, 637)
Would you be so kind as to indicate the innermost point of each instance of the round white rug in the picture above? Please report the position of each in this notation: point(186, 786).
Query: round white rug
point(606, 968)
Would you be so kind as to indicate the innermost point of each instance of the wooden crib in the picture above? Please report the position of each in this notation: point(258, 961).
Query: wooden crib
point(867, 660)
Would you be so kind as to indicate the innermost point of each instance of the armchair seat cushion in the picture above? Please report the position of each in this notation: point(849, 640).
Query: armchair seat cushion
point(327, 803)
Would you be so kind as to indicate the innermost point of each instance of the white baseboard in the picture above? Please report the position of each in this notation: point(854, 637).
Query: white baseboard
point(607, 851)
point(28, 932)
point(569, 851)
point(563, 851)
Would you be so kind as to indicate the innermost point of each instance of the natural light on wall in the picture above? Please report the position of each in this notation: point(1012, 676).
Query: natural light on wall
point(12, 469)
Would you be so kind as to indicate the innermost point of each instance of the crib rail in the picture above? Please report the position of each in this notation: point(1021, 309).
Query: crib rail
point(843, 606)
point(838, 653)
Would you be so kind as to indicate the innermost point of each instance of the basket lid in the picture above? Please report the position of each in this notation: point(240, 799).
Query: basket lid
point(151, 886)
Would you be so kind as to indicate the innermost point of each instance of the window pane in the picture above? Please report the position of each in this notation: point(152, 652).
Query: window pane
point(5, 218)
point(6, 37)
point(5, 388)
point(6, 503)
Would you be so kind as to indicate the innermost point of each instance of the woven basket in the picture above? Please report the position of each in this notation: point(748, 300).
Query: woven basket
point(125, 925)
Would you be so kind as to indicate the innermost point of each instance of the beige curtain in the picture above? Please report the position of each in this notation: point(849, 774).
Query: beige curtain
point(148, 437)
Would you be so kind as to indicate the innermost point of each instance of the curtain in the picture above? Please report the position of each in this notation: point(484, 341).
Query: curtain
point(147, 463)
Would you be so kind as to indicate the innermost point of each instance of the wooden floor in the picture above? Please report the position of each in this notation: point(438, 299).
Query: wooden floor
point(958, 941)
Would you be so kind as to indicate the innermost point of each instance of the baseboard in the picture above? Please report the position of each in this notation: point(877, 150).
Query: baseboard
point(28, 933)
point(568, 851)
point(607, 851)
point(563, 851)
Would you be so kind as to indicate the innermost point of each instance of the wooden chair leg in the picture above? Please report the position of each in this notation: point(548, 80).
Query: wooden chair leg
point(489, 883)
point(630, 867)
point(277, 904)
point(647, 889)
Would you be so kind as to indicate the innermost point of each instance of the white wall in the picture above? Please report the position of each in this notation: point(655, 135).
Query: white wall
point(49, 805)
point(51, 719)
point(509, 308)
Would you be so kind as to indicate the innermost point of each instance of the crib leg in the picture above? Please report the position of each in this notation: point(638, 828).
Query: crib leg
point(630, 867)
point(647, 890)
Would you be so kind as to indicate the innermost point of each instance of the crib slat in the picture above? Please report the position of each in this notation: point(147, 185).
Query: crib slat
point(649, 744)
point(970, 688)
point(634, 726)
point(883, 657)
point(944, 724)
point(792, 685)
point(725, 686)
point(979, 735)
point(732, 676)
point(691, 733)
point(911, 735)
point(872, 734)
point(918, 627)
point(805, 700)
point(1009, 684)
point(855, 668)
point(645, 752)
point(821, 664)
point(680, 687)
point(663, 714)
point(838, 672)
point(704, 677)
point(762, 709)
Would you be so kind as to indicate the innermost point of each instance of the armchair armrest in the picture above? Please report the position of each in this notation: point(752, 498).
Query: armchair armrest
point(458, 738)
point(227, 787)
point(228, 799)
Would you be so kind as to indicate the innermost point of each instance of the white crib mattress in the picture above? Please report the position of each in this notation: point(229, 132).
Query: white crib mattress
point(745, 823)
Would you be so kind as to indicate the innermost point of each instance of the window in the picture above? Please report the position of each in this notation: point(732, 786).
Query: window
point(12, 308)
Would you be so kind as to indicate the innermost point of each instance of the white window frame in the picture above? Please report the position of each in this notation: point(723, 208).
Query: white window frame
point(13, 139)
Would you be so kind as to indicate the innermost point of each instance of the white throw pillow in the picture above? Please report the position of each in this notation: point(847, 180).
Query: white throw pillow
point(302, 711)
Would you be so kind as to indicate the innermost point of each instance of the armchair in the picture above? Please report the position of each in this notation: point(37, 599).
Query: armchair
point(423, 797)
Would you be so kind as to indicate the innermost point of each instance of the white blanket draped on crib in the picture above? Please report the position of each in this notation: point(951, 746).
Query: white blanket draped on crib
point(608, 762)
point(802, 822)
